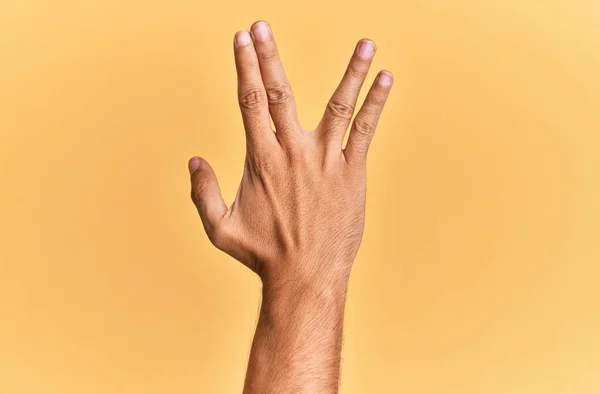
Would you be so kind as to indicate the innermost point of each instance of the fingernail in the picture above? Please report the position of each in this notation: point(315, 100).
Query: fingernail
point(366, 49)
point(261, 31)
point(385, 79)
point(194, 164)
point(243, 38)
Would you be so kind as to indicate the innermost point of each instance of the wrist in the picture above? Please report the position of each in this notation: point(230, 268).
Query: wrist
point(299, 298)
point(305, 275)
point(300, 323)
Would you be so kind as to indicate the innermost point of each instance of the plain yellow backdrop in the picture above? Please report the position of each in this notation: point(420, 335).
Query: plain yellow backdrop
point(480, 267)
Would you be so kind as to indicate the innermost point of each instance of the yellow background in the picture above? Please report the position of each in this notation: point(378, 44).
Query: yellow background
point(479, 271)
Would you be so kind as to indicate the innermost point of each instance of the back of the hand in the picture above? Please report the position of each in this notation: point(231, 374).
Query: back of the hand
point(299, 211)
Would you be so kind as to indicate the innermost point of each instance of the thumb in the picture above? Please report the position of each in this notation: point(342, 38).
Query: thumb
point(206, 195)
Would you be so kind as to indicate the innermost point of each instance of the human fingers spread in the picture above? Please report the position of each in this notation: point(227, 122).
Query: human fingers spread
point(279, 93)
point(340, 107)
point(366, 120)
point(252, 96)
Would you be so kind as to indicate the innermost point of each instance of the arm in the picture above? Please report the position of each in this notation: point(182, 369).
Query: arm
point(297, 219)
point(298, 340)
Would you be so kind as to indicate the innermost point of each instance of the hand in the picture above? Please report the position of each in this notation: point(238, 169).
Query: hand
point(298, 216)
point(299, 211)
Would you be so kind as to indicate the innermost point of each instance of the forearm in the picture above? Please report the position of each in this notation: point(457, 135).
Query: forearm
point(298, 339)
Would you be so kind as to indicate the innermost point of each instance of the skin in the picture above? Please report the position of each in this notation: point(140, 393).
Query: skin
point(298, 216)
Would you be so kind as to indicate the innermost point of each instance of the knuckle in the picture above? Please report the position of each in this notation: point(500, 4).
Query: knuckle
point(252, 99)
point(278, 94)
point(357, 72)
point(296, 156)
point(265, 163)
point(267, 56)
point(363, 126)
point(375, 100)
point(198, 192)
point(340, 109)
